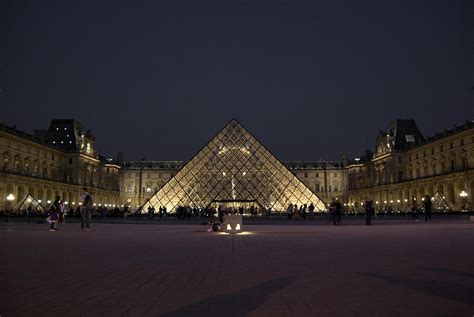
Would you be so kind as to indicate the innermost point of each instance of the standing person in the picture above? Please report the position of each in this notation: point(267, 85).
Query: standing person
point(303, 211)
point(414, 209)
point(29, 212)
point(86, 210)
point(311, 210)
point(220, 213)
point(427, 207)
point(336, 210)
point(290, 211)
point(54, 214)
point(62, 211)
point(369, 212)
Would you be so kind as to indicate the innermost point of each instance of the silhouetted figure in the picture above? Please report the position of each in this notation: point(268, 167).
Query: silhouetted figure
point(289, 211)
point(311, 210)
point(54, 214)
point(220, 213)
point(414, 209)
point(336, 211)
point(369, 212)
point(427, 207)
point(86, 210)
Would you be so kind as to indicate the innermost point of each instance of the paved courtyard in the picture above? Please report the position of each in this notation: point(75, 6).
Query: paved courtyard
point(400, 269)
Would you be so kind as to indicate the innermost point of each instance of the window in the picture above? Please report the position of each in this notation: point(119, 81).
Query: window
point(70, 160)
point(317, 174)
point(316, 187)
point(306, 175)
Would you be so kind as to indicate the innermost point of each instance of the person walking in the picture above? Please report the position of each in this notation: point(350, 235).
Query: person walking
point(62, 212)
point(427, 207)
point(54, 214)
point(311, 210)
point(86, 210)
point(414, 209)
point(336, 211)
point(289, 211)
point(369, 212)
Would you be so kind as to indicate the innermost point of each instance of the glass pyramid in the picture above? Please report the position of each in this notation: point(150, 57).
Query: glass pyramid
point(234, 167)
point(29, 201)
point(439, 203)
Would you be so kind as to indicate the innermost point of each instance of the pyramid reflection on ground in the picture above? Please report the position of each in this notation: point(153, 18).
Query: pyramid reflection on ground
point(233, 167)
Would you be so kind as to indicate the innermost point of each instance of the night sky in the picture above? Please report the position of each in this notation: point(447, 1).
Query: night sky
point(158, 79)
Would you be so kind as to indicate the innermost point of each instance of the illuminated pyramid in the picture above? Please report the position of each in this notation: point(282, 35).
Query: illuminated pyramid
point(439, 203)
point(234, 167)
point(29, 201)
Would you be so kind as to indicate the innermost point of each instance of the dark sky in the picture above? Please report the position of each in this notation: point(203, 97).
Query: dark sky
point(310, 80)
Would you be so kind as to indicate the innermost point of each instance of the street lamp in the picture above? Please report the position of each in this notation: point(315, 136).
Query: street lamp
point(463, 196)
point(10, 199)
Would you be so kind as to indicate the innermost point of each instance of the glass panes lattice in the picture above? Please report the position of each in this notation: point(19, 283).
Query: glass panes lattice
point(234, 166)
point(439, 203)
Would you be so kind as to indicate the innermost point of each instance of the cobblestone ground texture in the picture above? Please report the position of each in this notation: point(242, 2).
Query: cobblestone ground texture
point(403, 269)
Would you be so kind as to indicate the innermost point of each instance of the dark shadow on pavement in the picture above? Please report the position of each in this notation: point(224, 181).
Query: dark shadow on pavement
point(448, 271)
point(239, 303)
point(452, 291)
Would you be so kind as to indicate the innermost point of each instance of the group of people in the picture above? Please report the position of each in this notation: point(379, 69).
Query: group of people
point(303, 211)
point(336, 209)
point(57, 212)
point(161, 212)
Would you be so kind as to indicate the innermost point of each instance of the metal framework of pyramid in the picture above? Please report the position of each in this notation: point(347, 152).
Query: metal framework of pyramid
point(439, 203)
point(29, 201)
point(232, 167)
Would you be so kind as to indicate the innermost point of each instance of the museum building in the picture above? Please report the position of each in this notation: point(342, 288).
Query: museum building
point(234, 167)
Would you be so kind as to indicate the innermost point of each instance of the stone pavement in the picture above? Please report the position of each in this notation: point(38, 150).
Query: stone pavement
point(410, 269)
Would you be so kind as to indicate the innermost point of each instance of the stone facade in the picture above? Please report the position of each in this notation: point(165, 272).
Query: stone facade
point(62, 160)
point(405, 165)
point(38, 165)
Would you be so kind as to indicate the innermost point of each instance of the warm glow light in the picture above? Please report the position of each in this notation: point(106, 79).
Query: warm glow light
point(39, 201)
point(398, 200)
point(29, 200)
point(49, 201)
point(11, 197)
point(229, 227)
point(406, 200)
point(237, 227)
point(463, 194)
point(377, 202)
point(73, 202)
point(384, 201)
point(95, 205)
point(65, 202)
